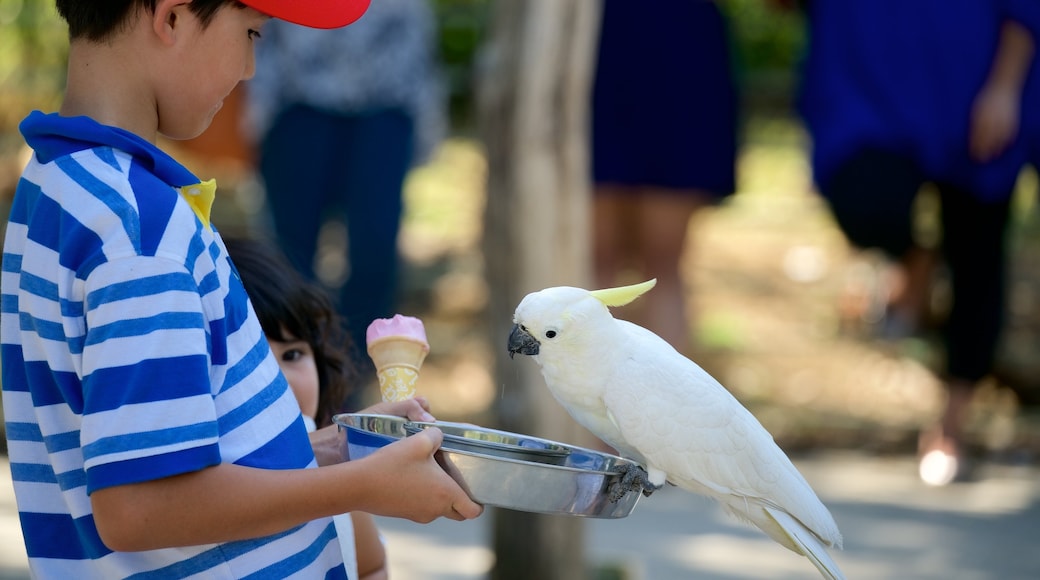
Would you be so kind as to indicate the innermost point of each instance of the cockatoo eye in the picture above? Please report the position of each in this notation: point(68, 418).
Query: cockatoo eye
point(550, 334)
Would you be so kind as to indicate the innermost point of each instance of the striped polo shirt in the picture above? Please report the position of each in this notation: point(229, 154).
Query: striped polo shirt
point(130, 353)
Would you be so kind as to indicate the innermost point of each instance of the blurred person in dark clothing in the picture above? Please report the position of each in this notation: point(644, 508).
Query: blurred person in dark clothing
point(340, 119)
point(664, 124)
point(898, 94)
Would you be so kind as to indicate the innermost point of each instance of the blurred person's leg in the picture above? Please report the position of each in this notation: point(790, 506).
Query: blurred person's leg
point(295, 160)
point(664, 219)
point(871, 197)
point(975, 248)
point(613, 211)
point(910, 298)
point(371, 173)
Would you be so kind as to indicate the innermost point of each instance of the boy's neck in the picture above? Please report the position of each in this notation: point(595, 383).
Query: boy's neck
point(106, 82)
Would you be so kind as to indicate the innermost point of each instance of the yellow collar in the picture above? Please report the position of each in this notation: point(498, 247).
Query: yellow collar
point(200, 197)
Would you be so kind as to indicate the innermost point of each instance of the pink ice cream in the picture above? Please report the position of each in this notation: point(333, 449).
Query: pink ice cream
point(398, 348)
point(399, 326)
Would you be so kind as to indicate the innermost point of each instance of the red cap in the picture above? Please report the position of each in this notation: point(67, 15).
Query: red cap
point(312, 13)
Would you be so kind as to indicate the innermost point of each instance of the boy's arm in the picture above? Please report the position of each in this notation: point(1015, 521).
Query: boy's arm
point(996, 115)
point(230, 502)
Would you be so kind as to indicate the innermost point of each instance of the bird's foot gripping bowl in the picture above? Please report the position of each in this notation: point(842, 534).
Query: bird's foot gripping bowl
point(508, 470)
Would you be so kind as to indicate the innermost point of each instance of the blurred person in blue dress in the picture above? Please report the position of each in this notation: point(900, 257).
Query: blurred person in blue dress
point(664, 139)
point(897, 94)
point(340, 118)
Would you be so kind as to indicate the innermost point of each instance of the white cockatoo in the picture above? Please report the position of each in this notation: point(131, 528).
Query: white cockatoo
point(653, 405)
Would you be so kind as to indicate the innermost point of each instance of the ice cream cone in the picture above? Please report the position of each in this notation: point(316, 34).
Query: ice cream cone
point(398, 360)
point(398, 348)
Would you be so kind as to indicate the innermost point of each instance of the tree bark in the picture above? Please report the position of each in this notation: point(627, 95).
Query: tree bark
point(534, 84)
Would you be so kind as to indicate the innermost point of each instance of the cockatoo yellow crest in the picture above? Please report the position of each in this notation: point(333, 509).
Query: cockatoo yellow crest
point(622, 295)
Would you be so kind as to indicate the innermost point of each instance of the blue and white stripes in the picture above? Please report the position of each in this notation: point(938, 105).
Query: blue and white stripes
point(130, 353)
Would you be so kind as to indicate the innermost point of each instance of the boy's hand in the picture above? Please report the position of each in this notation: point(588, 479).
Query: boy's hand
point(410, 484)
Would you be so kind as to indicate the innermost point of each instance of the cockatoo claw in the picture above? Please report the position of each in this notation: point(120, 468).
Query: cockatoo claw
point(633, 478)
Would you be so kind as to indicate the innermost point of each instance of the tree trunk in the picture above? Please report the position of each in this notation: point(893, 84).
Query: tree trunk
point(534, 95)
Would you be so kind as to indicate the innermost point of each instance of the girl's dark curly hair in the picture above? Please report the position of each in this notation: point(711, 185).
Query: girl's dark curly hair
point(97, 20)
point(286, 302)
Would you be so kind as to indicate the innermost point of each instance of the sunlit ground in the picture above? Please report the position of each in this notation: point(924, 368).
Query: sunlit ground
point(893, 526)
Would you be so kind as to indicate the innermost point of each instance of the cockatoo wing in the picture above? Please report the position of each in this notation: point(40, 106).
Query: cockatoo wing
point(805, 543)
point(684, 423)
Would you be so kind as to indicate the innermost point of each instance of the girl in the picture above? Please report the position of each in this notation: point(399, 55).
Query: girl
point(307, 338)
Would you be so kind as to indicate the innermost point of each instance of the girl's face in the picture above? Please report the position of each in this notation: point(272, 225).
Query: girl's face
point(296, 359)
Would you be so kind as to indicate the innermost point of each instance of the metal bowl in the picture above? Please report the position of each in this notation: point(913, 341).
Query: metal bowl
point(507, 470)
point(459, 437)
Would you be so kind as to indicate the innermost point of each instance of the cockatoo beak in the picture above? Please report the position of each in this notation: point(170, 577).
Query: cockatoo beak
point(623, 294)
point(521, 341)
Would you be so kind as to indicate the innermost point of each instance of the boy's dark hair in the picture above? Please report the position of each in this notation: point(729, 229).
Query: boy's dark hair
point(97, 20)
point(284, 299)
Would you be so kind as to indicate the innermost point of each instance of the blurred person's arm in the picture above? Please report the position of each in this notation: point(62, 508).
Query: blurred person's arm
point(786, 5)
point(996, 113)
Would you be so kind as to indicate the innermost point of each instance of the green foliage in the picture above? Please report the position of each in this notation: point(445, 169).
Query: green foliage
point(769, 38)
point(33, 45)
point(766, 37)
point(33, 48)
point(462, 25)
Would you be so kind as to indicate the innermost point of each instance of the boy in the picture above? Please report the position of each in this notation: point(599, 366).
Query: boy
point(150, 432)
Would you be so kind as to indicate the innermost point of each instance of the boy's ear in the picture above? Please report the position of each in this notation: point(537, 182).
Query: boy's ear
point(168, 18)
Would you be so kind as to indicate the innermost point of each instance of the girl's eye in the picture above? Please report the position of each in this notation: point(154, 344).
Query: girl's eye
point(254, 34)
point(292, 355)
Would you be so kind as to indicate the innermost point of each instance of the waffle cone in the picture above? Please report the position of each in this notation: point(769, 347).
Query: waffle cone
point(397, 360)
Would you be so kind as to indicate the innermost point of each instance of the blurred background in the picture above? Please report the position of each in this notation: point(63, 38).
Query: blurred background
point(787, 310)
